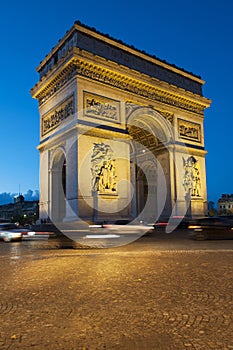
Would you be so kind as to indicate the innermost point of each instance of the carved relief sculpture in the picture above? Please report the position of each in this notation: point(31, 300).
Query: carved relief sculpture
point(190, 131)
point(57, 115)
point(103, 169)
point(192, 181)
point(96, 106)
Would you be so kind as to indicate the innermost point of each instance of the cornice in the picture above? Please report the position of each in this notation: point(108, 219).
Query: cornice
point(187, 148)
point(83, 128)
point(81, 64)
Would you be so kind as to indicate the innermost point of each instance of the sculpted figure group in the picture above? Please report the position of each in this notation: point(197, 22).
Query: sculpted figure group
point(103, 169)
point(192, 181)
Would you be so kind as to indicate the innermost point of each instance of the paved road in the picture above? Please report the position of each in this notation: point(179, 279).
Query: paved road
point(161, 292)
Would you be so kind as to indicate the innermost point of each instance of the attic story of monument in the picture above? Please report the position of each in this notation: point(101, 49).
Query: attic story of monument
point(121, 132)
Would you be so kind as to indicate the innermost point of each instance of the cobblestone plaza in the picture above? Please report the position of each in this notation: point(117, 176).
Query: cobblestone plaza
point(157, 293)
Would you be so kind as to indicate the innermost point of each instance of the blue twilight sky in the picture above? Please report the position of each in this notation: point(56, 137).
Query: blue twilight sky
point(195, 35)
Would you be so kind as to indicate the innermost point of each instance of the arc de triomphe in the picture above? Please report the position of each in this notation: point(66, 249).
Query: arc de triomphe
point(121, 132)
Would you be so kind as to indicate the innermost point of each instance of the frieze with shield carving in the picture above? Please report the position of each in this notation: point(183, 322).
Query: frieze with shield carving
point(57, 84)
point(137, 87)
point(97, 73)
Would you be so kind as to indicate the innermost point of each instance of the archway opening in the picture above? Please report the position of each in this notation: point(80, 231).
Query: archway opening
point(58, 187)
point(64, 177)
point(142, 189)
point(149, 161)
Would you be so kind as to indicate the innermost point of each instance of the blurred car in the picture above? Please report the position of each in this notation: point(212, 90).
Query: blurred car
point(121, 227)
point(11, 232)
point(211, 228)
point(172, 223)
point(101, 234)
point(126, 227)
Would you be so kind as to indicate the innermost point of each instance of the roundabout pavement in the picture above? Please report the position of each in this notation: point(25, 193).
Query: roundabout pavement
point(160, 292)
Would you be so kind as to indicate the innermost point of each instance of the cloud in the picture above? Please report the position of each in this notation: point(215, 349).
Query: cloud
point(7, 197)
point(31, 196)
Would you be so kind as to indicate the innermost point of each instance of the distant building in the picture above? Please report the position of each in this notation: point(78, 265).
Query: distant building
point(225, 204)
point(20, 209)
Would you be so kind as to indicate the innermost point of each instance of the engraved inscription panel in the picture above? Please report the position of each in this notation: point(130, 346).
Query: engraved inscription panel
point(101, 107)
point(188, 130)
point(54, 118)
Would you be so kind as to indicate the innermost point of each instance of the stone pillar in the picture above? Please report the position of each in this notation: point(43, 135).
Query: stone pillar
point(44, 211)
point(133, 208)
point(71, 180)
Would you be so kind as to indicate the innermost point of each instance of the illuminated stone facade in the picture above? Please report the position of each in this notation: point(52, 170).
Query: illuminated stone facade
point(107, 111)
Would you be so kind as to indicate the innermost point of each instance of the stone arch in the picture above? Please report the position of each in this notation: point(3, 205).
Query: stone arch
point(58, 185)
point(152, 122)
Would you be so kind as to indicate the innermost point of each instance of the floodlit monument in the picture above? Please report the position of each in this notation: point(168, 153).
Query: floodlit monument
point(121, 132)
